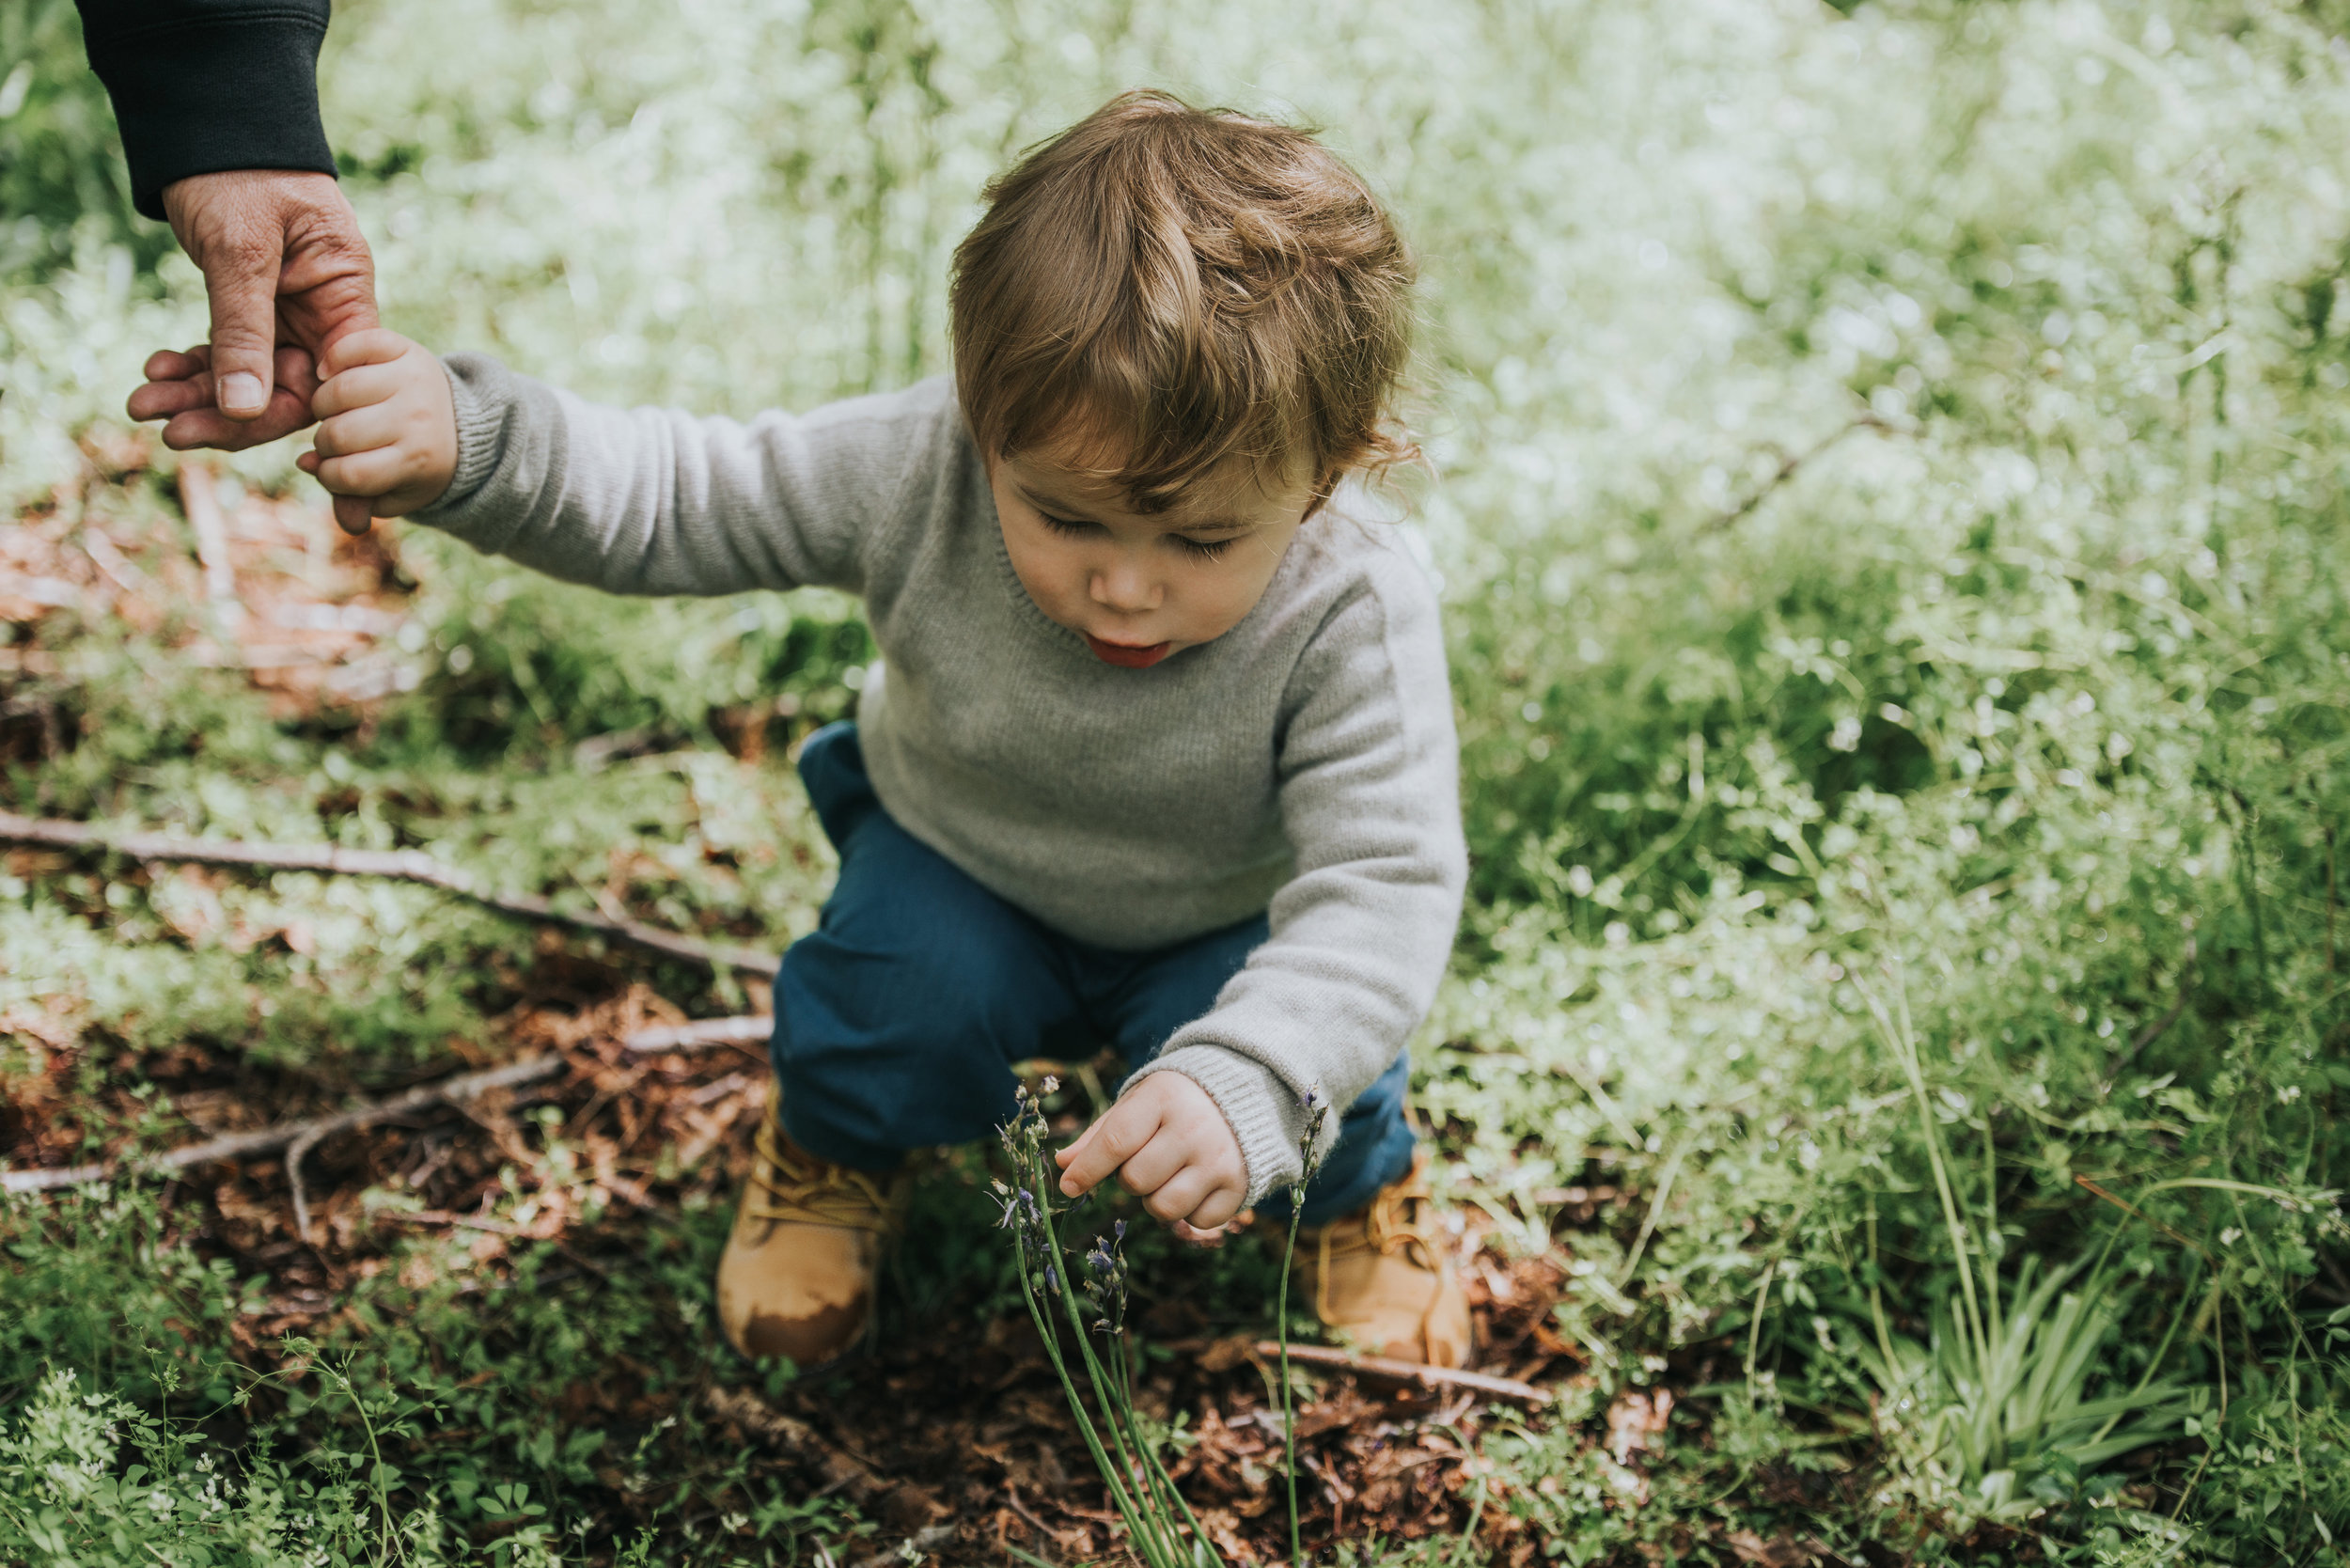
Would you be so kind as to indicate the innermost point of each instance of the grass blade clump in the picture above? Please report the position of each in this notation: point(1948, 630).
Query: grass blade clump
point(1160, 1525)
point(2006, 1423)
point(1992, 1415)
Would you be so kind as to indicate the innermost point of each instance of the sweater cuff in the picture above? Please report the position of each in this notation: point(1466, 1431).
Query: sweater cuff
point(204, 96)
point(477, 443)
point(1260, 1106)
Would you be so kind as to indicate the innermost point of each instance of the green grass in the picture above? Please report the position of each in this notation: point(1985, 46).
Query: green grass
point(2015, 714)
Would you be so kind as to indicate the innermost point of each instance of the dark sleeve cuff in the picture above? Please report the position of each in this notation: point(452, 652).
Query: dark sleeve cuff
point(199, 88)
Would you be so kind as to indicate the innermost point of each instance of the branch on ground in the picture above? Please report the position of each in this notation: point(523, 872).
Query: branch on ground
point(406, 865)
point(299, 1137)
point(295, 1138)
point(1382, 1368)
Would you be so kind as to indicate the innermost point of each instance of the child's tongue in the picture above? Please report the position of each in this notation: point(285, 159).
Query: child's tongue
point(1125, 656)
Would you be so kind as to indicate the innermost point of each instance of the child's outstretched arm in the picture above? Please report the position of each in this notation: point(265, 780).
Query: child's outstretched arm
point(640, 500)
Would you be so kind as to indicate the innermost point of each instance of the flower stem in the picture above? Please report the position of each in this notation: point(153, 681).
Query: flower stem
point(1289, 1425)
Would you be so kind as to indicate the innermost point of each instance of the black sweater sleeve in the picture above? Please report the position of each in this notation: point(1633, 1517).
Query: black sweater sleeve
point(202, 85)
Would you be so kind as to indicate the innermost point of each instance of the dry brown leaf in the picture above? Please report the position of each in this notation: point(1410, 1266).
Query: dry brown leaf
point(1634, 1419)
point(1784, 1552)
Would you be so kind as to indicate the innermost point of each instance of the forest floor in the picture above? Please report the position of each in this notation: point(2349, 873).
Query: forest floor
point(951, 1432)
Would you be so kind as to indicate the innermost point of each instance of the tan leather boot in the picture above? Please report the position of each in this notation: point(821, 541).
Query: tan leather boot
point(1382, 1276)
point(798, 1276)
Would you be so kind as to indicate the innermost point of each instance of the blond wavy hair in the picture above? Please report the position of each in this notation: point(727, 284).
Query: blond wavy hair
point(1162, 292)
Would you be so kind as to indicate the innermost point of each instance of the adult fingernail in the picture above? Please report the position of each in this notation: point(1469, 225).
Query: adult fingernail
point(240, 393)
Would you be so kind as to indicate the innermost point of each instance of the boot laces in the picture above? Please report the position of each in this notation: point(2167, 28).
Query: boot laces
point(1398, 1220)
point(789, 1185)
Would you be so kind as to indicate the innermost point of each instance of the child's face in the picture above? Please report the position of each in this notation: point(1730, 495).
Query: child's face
point(1139, 586)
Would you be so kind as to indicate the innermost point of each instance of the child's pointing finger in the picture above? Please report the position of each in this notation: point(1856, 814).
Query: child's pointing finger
point(1106, 1145)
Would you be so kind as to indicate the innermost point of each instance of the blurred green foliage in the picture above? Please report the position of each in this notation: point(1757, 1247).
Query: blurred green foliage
point(1889, 502)
point(61, 174)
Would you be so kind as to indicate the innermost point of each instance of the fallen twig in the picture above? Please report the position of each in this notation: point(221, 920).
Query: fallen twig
point(1059, 1538)
point(407, 865)
point(1387, 1370)
point(753, 1029)
point(295, 1138)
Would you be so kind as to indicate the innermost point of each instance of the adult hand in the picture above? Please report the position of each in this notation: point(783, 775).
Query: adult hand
point(288, 274)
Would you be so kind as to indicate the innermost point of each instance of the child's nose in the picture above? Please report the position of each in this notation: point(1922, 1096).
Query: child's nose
point(1123, 587)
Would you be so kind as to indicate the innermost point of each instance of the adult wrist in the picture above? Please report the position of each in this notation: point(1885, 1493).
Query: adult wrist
point(208, 96)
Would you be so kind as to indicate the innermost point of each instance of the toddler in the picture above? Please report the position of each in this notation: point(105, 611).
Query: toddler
point(1161, 749)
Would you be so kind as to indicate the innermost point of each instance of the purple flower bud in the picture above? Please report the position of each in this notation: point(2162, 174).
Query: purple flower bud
point(1119, 1230)
point(1052, 1279)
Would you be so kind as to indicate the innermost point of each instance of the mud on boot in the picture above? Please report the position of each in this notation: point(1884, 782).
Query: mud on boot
point(803, 1262)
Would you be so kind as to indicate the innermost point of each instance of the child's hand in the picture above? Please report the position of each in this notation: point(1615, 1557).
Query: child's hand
point(1170, 1146)
point(387, 424)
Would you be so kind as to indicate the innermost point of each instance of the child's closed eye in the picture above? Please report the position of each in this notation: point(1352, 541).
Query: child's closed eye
point(1200, 549)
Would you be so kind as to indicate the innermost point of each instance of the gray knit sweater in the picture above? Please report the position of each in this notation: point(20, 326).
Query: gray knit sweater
point(1303, 763)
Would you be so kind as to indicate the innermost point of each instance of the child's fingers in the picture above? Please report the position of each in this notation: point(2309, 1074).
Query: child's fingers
point(1217, 1210)
point(1187, 1232)
point(361, 387)
point(1180, 1194)
point(362, 429)
point(1195, 1199)
point(376, 473)
point(372, 346)
point(1106, 1145)
point(1151, 1166)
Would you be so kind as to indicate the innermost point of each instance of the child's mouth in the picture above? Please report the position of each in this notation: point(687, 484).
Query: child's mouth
point(1125, 655)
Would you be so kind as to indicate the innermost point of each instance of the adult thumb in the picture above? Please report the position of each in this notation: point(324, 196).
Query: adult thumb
point(243, 286)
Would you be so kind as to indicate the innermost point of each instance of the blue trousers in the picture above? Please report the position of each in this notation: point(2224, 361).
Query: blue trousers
point(898, 1018)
